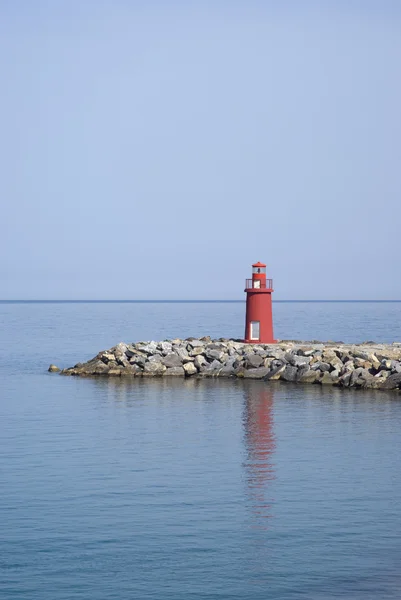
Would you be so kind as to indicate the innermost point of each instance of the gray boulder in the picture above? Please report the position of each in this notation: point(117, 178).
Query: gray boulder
point(212, 368)
point(290, 373)
point(131, 371)
point(190, 369)
point(357, 377)
point(252, 361)
point(138, 359)
point(114, 372)
point(306, 351)
point(174, 372)
point(327, 379)
point(227, 371)
point(53, 369)
point(196, 351)
point(295, 360)
point(172, 360)
point(321, 366)
point(166, 347)
point(214, 354)
point(395, 366)
point(200, 361)
point(197, 344)
point(150, 348)
point(131, 351)
point(154, 367)
point(308, 376)
point(107, 357)
point(258, 373)
point(392, 382)
point(275, 372)
point(181, 351)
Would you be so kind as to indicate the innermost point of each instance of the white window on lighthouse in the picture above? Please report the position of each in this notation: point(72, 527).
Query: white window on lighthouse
point(255, 330)
point(256, 283)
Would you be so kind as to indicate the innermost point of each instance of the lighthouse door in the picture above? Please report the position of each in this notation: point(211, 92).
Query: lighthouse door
point(255, 330)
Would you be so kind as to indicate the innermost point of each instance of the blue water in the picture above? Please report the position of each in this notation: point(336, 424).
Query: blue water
point(193, 489)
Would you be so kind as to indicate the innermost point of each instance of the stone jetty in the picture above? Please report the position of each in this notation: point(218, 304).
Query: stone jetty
point(367, 365)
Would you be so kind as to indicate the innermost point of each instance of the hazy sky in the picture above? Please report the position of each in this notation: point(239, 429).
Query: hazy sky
point(156, 149)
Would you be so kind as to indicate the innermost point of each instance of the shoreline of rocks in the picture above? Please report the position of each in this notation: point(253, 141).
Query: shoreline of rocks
point(368, 365)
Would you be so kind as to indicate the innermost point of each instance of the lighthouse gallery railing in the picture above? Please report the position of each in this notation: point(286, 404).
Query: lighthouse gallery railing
point(259, 285)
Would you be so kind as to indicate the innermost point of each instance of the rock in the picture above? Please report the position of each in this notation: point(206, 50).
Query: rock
point(153, 367)
point(359, 354)
point(295, 360)
point(131, 371)
point(306, 351)
point(138, 359)
point(227, 371)
point(349, 366)
point(321, 366)
point(196, 351)
point(335, 362)
point(172, 360)
point(392, 382)
point(308, 376)
point(360, 376)
point(261, 352)
point(123, 361)
point(53, 369)
point(166, 347)
point(275, 372)
point(252, 361)
point(359, 362)
point(374, 360)
point(258, 373)
point(383, 375)
point(214, 354)
point(217, 346)
point(268, 362)
point(190, 369)
point(181, 351)
point(200, 361)
point(290, 373)
point(276, 353)
point(174, 372)
point(197, 344)
point(212, 368)
point(345, 379)
point(107, 357)
point(114, 372)
point(130, 351)
point(327, 379)
point(96, 367)
point(149, 348)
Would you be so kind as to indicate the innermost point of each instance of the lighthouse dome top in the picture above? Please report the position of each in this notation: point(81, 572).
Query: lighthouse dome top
point(259, 264)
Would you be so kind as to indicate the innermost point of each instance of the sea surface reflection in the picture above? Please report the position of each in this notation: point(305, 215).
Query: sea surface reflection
point(260, 443)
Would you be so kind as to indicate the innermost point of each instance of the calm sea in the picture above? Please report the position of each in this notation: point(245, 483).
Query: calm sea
point(193, 489)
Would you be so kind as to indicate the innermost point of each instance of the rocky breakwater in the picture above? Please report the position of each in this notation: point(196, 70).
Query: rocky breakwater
point(367, 365)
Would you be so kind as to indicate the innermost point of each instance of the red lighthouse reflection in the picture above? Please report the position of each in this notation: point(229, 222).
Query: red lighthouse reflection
point(260, 446)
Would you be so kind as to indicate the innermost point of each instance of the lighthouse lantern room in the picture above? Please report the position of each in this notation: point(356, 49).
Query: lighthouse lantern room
point(259, 314)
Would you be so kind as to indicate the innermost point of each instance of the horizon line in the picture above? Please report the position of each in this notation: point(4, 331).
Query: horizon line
point(175, 301)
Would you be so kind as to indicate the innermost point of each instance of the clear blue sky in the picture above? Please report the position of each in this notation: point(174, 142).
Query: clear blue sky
point(156, 149)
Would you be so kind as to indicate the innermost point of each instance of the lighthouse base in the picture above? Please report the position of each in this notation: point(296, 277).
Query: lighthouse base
point(259, 342)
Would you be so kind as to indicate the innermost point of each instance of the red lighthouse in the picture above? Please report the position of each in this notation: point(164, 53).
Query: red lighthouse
point(259, 314)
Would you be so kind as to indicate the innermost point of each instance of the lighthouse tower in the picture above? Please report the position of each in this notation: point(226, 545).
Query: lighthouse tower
point(259, 314)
